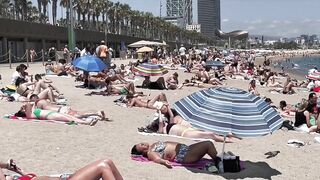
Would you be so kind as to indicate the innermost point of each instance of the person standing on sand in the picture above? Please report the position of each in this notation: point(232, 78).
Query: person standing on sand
point(33, 54)
point(102, 53)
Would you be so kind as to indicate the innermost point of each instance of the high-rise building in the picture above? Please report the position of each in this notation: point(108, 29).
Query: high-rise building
point(181, 10)
point(209, 16)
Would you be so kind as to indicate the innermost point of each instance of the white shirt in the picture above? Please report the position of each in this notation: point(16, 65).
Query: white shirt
point(14, 77)
point(84, 52)
point(310, 85)
point(182, 51)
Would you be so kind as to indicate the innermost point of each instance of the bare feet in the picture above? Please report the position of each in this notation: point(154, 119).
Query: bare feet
point(103, 116)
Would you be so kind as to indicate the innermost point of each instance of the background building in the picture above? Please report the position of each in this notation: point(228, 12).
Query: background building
point(194, 27)
point(181, 10)
point(209, 16)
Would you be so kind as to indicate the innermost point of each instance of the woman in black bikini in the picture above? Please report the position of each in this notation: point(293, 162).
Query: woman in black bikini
point(166, 152)
point(23, 90)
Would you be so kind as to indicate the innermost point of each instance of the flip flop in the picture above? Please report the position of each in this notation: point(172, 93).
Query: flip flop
point(271, 154)
point(295, 143)
point(93, 122)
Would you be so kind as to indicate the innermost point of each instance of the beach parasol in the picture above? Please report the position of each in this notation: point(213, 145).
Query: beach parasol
point(229, 110)
point(226, 110)
point(89, 63)
point(147, 69)
point(146, 43)
point(144, 49)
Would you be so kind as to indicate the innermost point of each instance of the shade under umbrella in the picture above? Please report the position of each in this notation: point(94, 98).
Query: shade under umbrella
point(144, 49)
point(89, 63)
point(147, 69)
point(214, 63)
point(229, 110)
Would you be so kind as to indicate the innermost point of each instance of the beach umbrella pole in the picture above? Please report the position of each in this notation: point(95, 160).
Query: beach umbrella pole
point(221, 169)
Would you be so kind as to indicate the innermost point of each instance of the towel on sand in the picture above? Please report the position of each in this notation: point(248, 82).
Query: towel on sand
point(198, 165)
point(15, 118)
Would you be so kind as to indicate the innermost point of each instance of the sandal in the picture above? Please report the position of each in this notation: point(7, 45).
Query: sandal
point(12, 166)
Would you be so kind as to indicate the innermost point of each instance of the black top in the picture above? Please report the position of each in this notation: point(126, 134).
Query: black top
point(300, 119)
point(313, 108)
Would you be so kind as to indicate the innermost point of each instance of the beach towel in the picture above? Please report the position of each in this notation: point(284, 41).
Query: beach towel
point(54, 75)
point(203, 164)
point(132, 80)
point(198, 165)
point(15, 118)
point(180, 137)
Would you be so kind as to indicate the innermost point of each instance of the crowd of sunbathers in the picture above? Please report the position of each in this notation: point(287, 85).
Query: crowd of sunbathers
point(41, 101)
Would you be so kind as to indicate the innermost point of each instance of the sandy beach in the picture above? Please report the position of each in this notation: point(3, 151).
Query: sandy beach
point(51, 148)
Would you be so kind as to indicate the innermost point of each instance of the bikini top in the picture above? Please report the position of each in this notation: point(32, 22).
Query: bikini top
point(159, 148)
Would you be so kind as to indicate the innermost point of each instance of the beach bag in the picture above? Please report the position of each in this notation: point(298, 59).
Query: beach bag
point(232, 165)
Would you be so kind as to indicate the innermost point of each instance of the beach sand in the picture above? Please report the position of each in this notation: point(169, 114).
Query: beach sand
point(50, 148)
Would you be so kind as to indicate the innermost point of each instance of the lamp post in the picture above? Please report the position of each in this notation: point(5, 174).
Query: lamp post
point(71, 33)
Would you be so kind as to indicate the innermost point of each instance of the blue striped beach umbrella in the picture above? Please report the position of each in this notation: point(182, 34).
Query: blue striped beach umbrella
point(227, 110)
point(147, 69)
point(215, 63)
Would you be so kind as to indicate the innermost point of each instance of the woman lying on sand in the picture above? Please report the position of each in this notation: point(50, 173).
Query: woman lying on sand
point(166, 152)
point(287, 87)
point(184, 129)
point(45, 105)
point(116, 89)
point(137, 102)
point(31, 112)
point(103, 169)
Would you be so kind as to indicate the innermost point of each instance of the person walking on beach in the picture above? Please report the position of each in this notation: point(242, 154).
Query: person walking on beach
point(66, 52)
point(33, 54)
point(183, 56)
point(102, 53)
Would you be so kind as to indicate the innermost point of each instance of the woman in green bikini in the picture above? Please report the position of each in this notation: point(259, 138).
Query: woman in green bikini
point(30, 112)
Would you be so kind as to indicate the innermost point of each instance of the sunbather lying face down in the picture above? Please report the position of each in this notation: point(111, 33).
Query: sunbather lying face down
point(103, 169)
point(31, 112)
point(166, 152)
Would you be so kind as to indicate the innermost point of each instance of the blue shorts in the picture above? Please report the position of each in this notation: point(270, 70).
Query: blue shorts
point(182, 153)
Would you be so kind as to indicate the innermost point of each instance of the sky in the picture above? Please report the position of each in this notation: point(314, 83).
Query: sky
point(285, 18)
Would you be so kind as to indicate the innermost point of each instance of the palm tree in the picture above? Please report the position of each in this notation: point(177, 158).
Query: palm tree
point(5, 8)
point(32, 13)
point(44, 9)
point(39, 6)
point(54, 11)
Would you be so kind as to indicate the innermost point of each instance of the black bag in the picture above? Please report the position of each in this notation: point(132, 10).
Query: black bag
point(232, 165)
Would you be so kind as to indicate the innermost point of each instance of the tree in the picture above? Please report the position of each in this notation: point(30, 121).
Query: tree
point(54, 11)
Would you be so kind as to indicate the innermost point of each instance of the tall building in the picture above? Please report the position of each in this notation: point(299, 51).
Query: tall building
point(209, 16)
point(181, 10)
